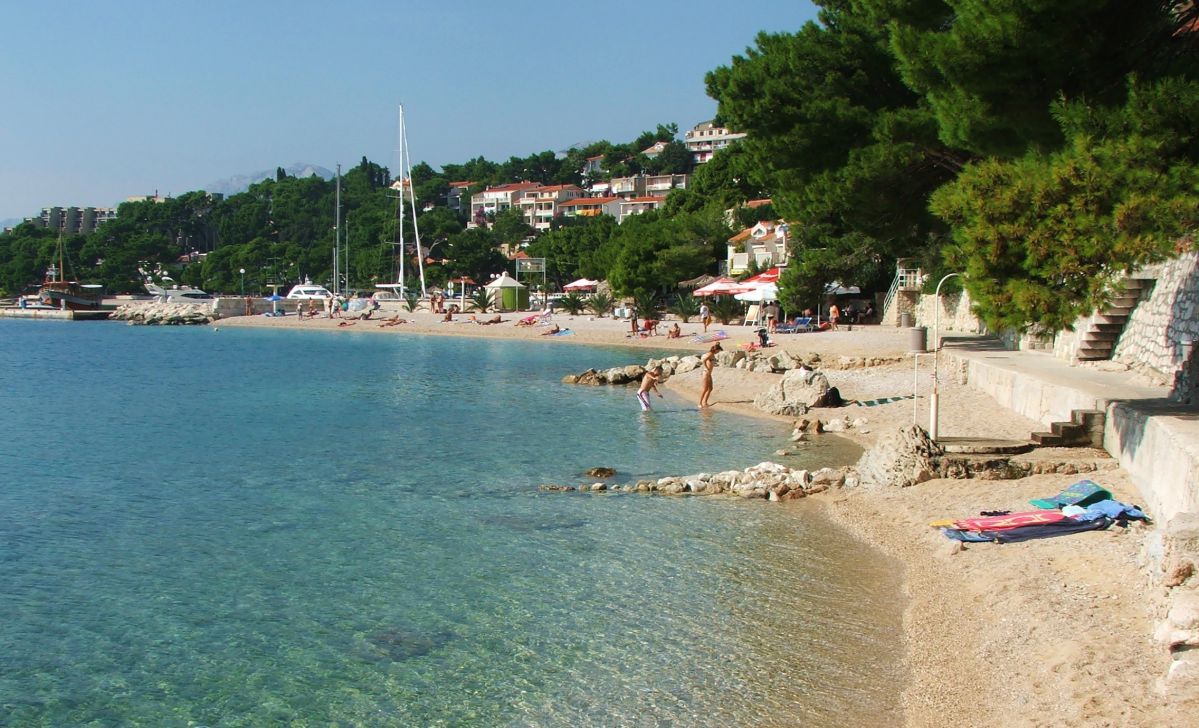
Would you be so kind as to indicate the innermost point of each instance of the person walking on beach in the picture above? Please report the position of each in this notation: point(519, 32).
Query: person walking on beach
point(648, 382)
point(834, 313)
point(708, 360)
point(705, 315)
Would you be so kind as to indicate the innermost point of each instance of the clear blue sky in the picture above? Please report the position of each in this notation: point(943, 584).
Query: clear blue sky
point(111, 99)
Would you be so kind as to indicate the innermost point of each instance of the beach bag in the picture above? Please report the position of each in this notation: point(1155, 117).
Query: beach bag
point(1083, 493)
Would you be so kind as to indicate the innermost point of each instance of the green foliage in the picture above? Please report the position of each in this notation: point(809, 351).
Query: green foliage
point(473, 253)
point(572, 303)
point(1043, 238)
point(482, 299)
point(991, 71)
point(726, 309)
point(849, 153)
point(656, 252)
point(411, 300)
point(684, 305)
point(600, 304)
point(647, 305)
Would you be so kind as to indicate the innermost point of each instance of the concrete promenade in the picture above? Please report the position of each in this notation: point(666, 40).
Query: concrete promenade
point(1155, 440)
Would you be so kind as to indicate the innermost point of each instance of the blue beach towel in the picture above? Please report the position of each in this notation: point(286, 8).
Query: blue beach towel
point(1083, 493)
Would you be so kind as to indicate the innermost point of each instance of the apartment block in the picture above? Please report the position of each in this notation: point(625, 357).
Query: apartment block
point(706, 139)
point(74, 220)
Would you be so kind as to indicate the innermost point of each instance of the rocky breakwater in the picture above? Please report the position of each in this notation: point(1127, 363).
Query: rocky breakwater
point(768, 361)
point(766, 481)
point(155, 313)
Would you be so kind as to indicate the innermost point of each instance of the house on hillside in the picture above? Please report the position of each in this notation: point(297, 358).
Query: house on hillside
point(540, 205)
point(494, 200)
point(591, 207)
point(706, 139)
point(765, 243)
point(638, 205)
point(453, 198)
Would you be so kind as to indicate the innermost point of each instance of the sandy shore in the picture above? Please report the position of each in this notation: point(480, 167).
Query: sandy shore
point(1051, 632)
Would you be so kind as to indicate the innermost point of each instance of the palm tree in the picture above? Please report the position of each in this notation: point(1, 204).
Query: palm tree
point(684, 306)
point(600, 304)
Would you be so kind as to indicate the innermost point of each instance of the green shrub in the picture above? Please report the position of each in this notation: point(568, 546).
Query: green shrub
point(726, 309)
point(573, 303)
point(685, 306)
point(600, 304)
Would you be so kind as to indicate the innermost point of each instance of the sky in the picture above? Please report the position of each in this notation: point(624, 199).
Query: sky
point(103, 101)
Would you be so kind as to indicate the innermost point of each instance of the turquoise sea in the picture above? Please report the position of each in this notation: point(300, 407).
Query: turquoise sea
point(231, 527)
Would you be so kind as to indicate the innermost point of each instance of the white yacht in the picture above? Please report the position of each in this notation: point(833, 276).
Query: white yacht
point(178, 294)
point(309, 291)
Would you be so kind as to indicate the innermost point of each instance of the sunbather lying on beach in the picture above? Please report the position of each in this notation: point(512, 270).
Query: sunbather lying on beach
point(346, 323)
point(493, 320)
point(551, 331)
point(393, 321)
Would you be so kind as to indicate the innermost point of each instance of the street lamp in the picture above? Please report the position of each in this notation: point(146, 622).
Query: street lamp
point(934, 396)
point(243, 281)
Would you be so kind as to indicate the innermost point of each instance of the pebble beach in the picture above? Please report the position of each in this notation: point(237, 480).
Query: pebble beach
point(1049, 632)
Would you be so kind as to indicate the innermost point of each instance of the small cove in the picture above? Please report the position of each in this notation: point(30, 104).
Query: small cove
point(260, 526)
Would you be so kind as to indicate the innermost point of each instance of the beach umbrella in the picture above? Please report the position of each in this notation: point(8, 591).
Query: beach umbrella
point(583, 284)
point(721, 287)
point(763, 293)
point(274, 298)
point(767, 276)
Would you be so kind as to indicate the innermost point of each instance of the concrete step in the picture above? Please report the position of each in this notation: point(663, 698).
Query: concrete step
point(1104, 336)
point(1046, 439)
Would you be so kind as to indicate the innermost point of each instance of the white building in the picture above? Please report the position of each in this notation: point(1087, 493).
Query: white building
point(706, 139)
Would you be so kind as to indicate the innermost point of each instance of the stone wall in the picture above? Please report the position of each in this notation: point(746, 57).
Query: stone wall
point(955, 313)
point(1166, 319)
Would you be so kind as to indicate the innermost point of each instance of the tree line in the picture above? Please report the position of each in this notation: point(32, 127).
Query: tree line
point(1042, 148)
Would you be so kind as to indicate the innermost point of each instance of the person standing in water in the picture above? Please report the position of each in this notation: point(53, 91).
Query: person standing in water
point(648, 382)
point(708, 361)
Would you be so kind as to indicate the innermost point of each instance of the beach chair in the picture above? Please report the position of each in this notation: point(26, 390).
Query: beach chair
point(751, 315)
point(797, 326)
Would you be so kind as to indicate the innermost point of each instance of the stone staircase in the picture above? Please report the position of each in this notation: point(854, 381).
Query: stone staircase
point(1099, 339)
point(1085, 429)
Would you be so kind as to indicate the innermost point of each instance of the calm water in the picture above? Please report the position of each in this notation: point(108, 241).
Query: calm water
point(231, 527)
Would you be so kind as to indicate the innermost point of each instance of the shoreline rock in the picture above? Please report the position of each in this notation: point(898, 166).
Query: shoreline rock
point(156, 313)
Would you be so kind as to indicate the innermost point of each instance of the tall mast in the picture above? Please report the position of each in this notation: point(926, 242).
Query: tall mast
point(337, 236)
point(406, 161)
point(400, 196)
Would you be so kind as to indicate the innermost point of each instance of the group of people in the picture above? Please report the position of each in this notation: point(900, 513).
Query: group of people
point(652, 377)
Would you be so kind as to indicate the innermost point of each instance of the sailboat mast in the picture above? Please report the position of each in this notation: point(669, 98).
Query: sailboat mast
point(407, 160)
point(337, 236)
point(400, 209)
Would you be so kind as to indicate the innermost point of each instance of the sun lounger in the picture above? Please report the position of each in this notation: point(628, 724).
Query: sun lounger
point(797, 326)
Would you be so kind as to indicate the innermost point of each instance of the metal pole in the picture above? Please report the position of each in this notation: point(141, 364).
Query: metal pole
point(934, 396)
point(337, 237)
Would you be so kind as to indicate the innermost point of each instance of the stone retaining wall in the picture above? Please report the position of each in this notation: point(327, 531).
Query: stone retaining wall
point(1163, 321)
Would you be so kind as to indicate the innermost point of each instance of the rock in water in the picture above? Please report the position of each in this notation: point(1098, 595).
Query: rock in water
point(601, 472)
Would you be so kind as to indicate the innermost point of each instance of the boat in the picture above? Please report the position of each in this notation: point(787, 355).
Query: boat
point(65, 294)
point(178, 294)
point(308, 291)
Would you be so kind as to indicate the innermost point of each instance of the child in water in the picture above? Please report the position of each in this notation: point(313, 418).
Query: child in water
point(648, 382)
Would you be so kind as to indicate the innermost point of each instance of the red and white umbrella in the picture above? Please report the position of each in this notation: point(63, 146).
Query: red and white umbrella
point(722, 287)
point(766, 276)
point(582, 284)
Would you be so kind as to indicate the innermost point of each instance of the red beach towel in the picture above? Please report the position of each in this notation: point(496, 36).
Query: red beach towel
point(1011, 520)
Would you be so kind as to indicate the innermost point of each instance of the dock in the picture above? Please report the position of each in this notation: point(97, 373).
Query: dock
point(55, 314)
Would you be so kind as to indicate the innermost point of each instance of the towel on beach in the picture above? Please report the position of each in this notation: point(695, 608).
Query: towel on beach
point(1083, 493)
point(883, 400)
point(709, 338)
point(563, 332)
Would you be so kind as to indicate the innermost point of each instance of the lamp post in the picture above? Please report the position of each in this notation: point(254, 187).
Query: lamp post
point(242, 271)
point(934, 396)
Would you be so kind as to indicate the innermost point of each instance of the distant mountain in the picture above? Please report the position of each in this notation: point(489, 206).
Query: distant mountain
point(10, 222)
point(241, 182)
